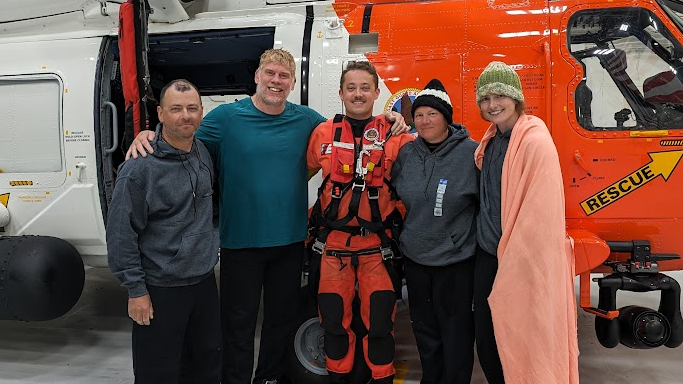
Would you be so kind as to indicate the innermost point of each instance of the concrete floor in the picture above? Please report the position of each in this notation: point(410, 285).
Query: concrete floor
point(91, 344)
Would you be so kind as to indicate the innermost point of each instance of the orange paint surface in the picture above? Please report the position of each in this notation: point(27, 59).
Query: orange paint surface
point(455, 40)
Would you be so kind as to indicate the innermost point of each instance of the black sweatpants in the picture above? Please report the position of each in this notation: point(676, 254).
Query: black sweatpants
point(182, 342)
point(440, 300)
point(486, 267)
point(244, 272)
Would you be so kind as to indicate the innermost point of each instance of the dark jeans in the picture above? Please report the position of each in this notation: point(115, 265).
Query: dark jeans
point(485, 270)
point(244, 272)
point(182, 342)
point(440, 300)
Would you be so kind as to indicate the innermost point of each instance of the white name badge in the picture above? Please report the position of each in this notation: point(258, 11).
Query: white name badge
point(440, 191)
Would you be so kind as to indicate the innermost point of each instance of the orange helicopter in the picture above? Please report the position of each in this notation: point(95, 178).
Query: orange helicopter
point(607, 78)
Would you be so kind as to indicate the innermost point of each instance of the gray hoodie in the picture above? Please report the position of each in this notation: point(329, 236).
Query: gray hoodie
point(159, 227)
point(437, 233)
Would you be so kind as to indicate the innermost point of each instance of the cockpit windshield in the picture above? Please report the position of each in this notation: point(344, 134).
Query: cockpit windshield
point(633, 70)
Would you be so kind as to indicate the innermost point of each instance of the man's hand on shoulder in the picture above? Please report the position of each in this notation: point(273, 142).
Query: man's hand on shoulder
point(399, 123)
point(140, 309)
point(140, 145)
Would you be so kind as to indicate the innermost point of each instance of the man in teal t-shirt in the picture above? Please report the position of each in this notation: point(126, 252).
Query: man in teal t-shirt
point(259, 146)
point(262, 171)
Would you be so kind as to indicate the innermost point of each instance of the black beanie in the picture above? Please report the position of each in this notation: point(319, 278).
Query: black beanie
point(434, 95)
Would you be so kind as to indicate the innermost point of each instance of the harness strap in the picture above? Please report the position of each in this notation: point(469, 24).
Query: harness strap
point(353, 255)
point(388, 263)
point(332, 209)
point(396, 280)
point(322, 223)
point(392, 190)
point(361, 252)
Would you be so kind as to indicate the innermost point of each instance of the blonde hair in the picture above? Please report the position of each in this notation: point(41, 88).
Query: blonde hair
point(278, 56)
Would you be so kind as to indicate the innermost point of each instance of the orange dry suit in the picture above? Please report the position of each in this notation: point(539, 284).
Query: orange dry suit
point(351, 224)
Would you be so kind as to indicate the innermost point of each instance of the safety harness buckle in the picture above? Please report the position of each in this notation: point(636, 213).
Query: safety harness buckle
point(361, 185)
point(364, 231)
point(373, 193)
point(336, 192)
point(387, 253)
point(318, 247)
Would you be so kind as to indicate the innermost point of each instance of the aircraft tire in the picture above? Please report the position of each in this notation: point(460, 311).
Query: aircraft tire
point(41, 277)
point(305, 357)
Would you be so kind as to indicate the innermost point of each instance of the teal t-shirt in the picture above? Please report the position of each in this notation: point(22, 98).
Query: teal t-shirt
point(262, 173)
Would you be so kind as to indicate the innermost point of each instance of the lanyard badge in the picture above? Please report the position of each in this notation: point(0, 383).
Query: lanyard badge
point(440, 190)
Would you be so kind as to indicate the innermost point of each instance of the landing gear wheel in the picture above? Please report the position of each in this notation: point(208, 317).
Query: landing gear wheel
point(305, 358)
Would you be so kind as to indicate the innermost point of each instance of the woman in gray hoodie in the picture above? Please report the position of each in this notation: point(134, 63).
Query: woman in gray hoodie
point(438, 182)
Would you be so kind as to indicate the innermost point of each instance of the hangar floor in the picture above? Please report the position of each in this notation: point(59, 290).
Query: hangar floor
point(91, 344)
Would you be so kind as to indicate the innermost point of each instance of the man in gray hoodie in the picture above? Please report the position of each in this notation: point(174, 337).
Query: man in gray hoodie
point(437, 181)
point(162, 247)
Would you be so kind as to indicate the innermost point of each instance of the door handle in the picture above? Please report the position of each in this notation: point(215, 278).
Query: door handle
point(115, 127)
point(80, 168)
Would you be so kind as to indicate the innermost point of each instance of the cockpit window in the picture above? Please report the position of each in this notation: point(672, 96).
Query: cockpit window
point(632, 68)
point(673, 9)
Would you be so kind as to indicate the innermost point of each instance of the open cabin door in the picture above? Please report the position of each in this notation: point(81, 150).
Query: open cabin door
point(124, 92)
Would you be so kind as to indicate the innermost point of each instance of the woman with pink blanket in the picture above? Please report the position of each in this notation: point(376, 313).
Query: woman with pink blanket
point(524, 303)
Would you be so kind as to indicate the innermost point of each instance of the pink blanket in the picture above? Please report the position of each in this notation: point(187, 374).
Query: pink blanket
point(532, 302)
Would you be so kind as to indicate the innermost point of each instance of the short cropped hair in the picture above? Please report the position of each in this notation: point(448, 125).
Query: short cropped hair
point(278, 56)
point(359, 66)
point(180, 85)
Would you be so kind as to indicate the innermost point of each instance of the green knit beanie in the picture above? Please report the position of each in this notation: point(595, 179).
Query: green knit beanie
point(499, 79)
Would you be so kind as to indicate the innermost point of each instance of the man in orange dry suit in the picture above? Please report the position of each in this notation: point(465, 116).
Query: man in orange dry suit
point(351, 224)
